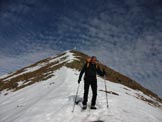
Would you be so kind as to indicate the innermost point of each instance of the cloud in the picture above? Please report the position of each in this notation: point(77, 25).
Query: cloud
point(135, 54)
point(124, 35)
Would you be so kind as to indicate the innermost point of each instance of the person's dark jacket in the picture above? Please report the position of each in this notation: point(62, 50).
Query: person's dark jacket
point(90, 72)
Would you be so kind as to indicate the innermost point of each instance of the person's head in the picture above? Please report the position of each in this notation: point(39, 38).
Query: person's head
point(93, 60)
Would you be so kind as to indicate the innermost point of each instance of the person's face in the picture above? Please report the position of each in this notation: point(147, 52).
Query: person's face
point(94, 60)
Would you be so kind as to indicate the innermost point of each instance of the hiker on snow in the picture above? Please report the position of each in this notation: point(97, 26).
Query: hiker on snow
point(90, 69)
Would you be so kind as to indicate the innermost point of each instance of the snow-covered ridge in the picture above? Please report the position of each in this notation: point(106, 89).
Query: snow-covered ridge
point(44, 70)
point(66, 57)
point(52, 101)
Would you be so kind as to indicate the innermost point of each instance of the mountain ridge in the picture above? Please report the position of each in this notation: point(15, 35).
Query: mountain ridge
point(43, 70)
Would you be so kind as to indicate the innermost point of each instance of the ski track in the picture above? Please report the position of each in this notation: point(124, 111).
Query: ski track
point(42, 102)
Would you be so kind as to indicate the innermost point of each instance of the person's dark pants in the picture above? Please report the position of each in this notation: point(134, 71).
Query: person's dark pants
point(93, 84)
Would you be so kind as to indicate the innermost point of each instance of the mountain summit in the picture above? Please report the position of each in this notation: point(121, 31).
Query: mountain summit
point(45, 92)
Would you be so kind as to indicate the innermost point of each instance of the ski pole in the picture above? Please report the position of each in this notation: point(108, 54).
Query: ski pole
point(106, 92)
point(75, 98)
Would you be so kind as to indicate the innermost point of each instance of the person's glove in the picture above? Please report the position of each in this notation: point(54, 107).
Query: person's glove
point(79, 81)
point(104, 73)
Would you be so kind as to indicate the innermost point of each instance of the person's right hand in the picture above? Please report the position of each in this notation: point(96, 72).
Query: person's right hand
point(104, 72)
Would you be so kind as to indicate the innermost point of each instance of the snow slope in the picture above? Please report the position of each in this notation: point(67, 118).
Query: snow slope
point(67, 57)
point(52, 101)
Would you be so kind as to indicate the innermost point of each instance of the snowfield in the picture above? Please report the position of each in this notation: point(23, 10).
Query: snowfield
point(52, 101)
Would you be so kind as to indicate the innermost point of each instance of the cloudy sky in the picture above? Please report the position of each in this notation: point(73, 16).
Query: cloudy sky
point(124, 34)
